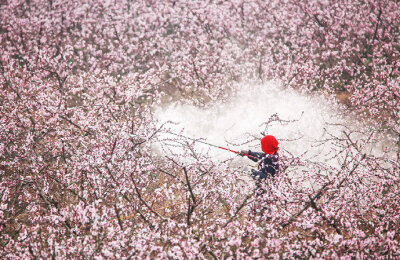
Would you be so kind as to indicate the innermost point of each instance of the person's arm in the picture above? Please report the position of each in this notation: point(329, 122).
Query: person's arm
point(254, 156)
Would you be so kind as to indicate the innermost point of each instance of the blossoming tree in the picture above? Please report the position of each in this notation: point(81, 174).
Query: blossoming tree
point(78, 178)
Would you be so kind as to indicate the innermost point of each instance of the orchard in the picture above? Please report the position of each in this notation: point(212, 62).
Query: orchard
point(86, 170)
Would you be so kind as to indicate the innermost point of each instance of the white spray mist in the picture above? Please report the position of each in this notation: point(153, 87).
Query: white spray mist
point(238, 123)
point(308, 128)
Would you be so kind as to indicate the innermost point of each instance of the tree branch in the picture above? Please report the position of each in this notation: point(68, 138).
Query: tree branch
point(144, 202)
point(238, 209)
point(190, 206)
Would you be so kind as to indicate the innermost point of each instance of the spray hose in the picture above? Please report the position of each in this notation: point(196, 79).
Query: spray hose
point(213, 145)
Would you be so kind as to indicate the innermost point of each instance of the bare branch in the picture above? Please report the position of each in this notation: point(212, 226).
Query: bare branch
point(238, 209)
point(143, 201)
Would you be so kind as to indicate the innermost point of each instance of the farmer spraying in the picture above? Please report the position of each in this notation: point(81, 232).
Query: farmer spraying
point(268, 165)
point(268, 160)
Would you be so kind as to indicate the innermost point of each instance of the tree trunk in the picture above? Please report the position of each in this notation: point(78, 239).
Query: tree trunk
point(398, 149)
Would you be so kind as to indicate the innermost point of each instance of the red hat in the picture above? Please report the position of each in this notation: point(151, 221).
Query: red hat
point(269, 144)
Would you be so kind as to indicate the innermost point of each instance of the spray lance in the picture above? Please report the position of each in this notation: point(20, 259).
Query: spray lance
point(213, 145)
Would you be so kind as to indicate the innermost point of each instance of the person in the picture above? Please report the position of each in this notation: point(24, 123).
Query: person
point(268, 167)
point(268, 161)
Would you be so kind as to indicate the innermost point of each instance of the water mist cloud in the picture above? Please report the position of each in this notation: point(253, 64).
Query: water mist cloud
point(240, 122)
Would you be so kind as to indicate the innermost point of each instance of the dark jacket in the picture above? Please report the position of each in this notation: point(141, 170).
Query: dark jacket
point(268, 165)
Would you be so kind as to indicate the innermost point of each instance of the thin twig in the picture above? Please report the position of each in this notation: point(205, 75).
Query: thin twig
point(238, 209)
point(144, 202)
